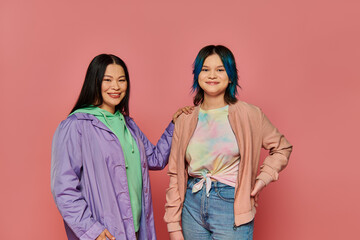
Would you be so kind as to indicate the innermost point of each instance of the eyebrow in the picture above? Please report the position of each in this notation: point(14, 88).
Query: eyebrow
point(216, 66)
point(112, 76)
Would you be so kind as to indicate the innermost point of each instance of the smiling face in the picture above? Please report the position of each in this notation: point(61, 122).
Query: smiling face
point(113, 87)
point(213, 78)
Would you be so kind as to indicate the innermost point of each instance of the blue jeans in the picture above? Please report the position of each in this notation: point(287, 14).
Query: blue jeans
point(212, 217)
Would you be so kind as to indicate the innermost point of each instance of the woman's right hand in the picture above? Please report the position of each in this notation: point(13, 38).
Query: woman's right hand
point(105, 234)
point(176, 235)
point(187, 110)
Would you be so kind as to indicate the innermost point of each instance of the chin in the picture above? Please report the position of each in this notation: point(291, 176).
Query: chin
point(215, 94)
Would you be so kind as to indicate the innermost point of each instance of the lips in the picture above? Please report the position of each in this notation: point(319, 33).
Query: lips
point(212, 83)
point(114, 95)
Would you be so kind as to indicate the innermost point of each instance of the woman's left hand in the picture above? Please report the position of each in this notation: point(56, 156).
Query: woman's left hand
point(187, 110)
point(259, 185)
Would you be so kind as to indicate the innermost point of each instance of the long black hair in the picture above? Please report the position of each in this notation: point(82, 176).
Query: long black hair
point(91, 90)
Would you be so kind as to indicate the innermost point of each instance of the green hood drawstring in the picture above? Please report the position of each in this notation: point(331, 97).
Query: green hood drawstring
point(127, 132)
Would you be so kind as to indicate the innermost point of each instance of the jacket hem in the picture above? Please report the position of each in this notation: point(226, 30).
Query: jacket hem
point(244, 218)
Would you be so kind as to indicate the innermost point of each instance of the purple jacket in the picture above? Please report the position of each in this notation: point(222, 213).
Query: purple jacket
point(88, 178)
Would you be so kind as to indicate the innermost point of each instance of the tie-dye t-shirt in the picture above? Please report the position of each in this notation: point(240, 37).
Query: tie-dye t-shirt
point(213, 153)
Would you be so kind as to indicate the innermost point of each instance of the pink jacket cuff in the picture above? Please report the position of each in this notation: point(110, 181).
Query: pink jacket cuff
point(174, 226)
point(265, 177)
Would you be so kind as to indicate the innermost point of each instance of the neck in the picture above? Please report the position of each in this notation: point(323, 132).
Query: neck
point(211, 102)
point(106, 108)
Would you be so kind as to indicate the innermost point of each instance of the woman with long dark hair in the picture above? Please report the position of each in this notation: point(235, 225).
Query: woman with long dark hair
point(100, 160)
point(215, 155)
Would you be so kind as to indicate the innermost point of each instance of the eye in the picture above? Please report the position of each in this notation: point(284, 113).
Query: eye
point(122, 80)
point(221, 69)
point(204, 69)
point(107, 80)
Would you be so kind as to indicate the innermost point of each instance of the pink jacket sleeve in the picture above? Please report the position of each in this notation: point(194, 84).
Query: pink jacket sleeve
point(173, 206)
point(279, 152)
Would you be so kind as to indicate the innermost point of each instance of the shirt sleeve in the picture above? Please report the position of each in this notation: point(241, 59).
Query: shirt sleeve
point(173, 206)
point(279, 152)
point(66, 166)
point(158, 156)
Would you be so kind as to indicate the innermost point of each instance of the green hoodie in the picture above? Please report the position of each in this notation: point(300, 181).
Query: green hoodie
point(116, 123)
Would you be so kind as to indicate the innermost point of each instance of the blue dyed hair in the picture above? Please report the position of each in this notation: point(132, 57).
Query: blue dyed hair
point(228, 60)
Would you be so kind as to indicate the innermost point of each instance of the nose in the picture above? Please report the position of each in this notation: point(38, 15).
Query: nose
point(212, 74)
point(115, 85)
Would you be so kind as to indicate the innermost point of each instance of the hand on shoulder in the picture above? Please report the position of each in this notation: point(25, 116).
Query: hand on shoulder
point(187, 110)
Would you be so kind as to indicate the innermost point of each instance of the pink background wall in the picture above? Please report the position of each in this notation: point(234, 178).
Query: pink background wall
point(298, 60)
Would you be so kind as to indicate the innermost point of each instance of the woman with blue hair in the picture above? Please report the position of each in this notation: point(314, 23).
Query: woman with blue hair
point(214, 159)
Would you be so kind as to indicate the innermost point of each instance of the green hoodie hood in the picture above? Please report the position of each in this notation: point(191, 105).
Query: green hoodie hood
point(115, 122)
point(100, 113)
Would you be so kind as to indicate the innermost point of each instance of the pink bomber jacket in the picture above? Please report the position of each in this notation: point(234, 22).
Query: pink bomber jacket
point(253, 131)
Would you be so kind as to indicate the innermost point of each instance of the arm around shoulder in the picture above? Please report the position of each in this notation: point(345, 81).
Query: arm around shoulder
point(157, 156)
